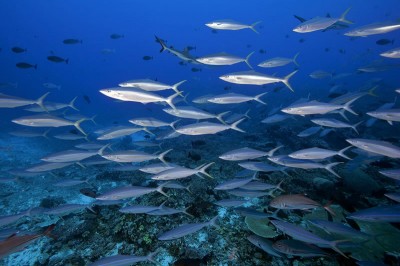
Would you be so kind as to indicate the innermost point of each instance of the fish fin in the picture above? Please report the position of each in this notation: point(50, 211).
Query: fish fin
point(354, 127)
point(328, 167)
point(204, 168)
point(72, 104)
point(334, 244)
point(188, 188)
point(328, 208)
point(343, 17)
point(45, 133)
point(234, 125)
point(257, 97)
point(148, 131)
point(219, 117)
point(77, 124)
point(188, 214)
point(252, 26)
point(247, 59)
point(372, 91)
point(172, 125)
point(151, 256)
point(213, 222)
point(48, 231)
point(390, 122)
point(247, 114)
point(342, 113)
point(162, 155)
point(92, 119)
point(347, 106)
point(271, 152)
point(285, 80)
point(171, 98)
point(300, 18)
point(40, 101)
point(161, 42)
point(295, 58)
point(175, 87)
point(101, 150)
point(279, 187)
point(341, 152)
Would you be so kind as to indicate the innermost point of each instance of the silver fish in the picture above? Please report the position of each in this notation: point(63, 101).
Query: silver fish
point(193, 113)
point(315, 107)
point(390, 115)
point(204, 128)
point(309, 132)
point(296, 202)
point(228, 24)
point(255, 78)
point(279, 61)
point(151, 122)
point(121, 131)
point(184, 55)
point(232, 98)
point(374, 28)
point(264, 244)
point(318, 153)
point(259, 167)
point(7, 101)
point(132, 156)
point(150, 85)
point(65, 209)
point(334, 123)
point(376, 146)
point(51, 107)
point(124, 260)
point(47, 167)
point(70, 182)
point(223, 59)
point(392, 53)
point(293, 247)
point(234, 183)
point(157, 168)
point(393, 173)
point(390, 214)
point(276, 118)
point(182, 172)
point(186, 229)
point(129, 192)
point(247, 154)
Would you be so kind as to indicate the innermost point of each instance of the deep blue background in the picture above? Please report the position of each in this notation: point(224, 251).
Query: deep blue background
point(41, 26)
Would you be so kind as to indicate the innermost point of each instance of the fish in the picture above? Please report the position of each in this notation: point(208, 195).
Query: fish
point(224, 59)
point(47, 120)
point(138, 209)
point(180, 172)
point(89, 146)
point(8, 101)
point(47, 167)
point(127, 192)
point(71, 155)
point(18, 50)
point(376, 146)
point(264, 244)
point(186, 229)
point(120, 131)
point(124, 260)
point(384, 42)
point(202, 99)
point(116, 36)
point(184, 55)
point(228, 24)
point(87, 99)
point(234, 183)
point(138, 95)
point(247, 154)
point(293, 247)
point(297, 202)
point(147, 57)
point(248, 193)
point(315, 107)
point(156, 168)
point(25, 65)
point(257, 185)
point(321, 23)
point(57, 59)
point(70, 182)
point(393, 173)
point(16, 243)
point(233, 98)
point(236, 116)
point(151, 122)
point(279, 61)
point(384, 213)
point(65, 209)
point(151, 85)
point(132, 156)
point(320, 74)
point(204, 128)
point(259, 167)
point(195, 69)
point(194, 113)
point(393, 53)
point(276, 118)
point(51, 106)
point(255, 78)
point(298, 233)
point(9, 219)
point(390, 115)
point(52, 86)
point(70, 136)
point(309, 132)
point(336, 26)
point(318, 153)
point(334, 123)
point(338, 228)
point(163, 210)
point(374, 28)
point(72, 41)
point(393, 196)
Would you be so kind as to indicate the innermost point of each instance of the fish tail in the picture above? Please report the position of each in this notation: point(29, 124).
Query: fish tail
point(347, 106)
point(66, 61)
point(295, 58)
point(342, 113)
point(247, 59)
point(204, 168)
point(341, 152)
point(328, 208)
point(219, 117)
point(171, 98)
point(213, 222)
point(45, 133)
point(271, 152)
point(247, 114)
point(172, 125)
point(279, 186)
point(101, 150)
point(354, 127)
point(72, 104)
point(151, 256)
point(77, 124)
point(372, 91)
point(162, 155)
point(161, 42)
point(286, 80)
point(175, 87)
point(188, 188)
point(257, 98)
point(40, 101)
point(160, 187)
point(334, 244)
point(328, 167)
point(35, 66)
point(252, 26)
point(92, 119)
point(148, 131)
point(47, 232)
point(188, 214)
point(343, 17)
point(234, 125)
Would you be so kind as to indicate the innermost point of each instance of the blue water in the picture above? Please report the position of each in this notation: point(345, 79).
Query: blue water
point(41, 27)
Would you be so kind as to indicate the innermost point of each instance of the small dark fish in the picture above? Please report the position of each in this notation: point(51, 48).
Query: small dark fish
point(214, 31)
point(327, 49)
point(86, 98)
point(287, 36)
point(26, 65)
point(182, 63)
point(227, 88)
point(262, 51)
point(195, 69)
point(116, 36)
point(190, 48)
point(384, 41)
point(18, 50)
point(72, 41)
point(147, 57)
point(57, 59)
point(342, 51)
point(301, 40)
